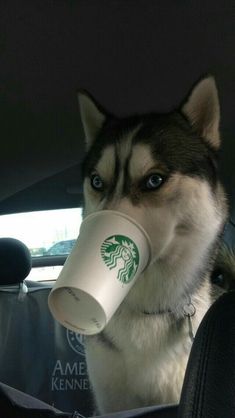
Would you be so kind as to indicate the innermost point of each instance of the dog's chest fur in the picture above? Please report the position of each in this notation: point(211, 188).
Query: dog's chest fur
point(142, 355)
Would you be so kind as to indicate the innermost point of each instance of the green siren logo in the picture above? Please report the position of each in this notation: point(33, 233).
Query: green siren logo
point(120, 252)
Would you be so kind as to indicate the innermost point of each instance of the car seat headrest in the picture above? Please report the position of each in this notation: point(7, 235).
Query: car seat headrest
point(15, 261)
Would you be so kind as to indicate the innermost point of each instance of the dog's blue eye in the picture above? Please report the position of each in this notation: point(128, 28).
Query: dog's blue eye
point(153, 181)
point(96, 182)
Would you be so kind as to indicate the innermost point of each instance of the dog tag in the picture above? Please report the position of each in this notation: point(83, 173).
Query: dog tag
point(190, 325)
point(189, 311)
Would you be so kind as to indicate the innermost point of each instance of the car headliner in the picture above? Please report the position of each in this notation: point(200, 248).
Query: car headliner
point(133, 56)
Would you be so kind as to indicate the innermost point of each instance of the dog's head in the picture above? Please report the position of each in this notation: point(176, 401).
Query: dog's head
point(160, 169)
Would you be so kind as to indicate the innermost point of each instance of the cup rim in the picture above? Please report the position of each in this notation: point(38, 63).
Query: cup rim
point(57, 313)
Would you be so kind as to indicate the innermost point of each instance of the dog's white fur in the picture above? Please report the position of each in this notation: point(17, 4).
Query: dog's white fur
point(142, 358)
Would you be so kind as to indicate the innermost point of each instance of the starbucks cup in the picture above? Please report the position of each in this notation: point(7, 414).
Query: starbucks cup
point(112, 250)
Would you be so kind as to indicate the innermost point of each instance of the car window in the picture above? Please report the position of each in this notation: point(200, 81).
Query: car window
point(47, 234)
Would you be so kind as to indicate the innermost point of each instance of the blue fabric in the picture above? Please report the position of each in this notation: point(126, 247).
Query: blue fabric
point(16, 404)
point(39, 356)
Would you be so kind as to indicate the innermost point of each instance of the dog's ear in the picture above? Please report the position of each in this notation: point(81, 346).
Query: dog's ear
point(203, 111)
point(92, 116)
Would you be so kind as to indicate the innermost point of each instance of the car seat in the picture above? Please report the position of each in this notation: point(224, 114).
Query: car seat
point(209, 384)
point(37, 355)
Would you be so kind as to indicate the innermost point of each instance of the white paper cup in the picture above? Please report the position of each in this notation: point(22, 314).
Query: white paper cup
point(112, 250)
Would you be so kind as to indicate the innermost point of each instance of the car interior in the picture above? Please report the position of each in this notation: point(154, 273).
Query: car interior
point(134, 57)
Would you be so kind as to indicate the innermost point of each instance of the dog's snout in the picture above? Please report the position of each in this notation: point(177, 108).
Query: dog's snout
point(123, 206)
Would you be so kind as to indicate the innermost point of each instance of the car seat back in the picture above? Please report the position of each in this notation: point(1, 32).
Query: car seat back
point(37, 355)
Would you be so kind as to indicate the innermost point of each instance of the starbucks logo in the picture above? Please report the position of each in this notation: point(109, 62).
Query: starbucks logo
point(120, 252)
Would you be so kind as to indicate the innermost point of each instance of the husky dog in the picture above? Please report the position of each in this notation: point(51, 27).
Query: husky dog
point(160, 169)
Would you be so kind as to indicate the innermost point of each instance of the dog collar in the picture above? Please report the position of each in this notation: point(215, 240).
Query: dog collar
point(188, 311)
point(157, 312)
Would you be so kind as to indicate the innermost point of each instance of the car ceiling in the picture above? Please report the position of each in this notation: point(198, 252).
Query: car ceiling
point(132, 56)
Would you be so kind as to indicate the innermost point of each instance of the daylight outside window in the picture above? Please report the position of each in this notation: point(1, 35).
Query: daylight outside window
point(45, 233)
